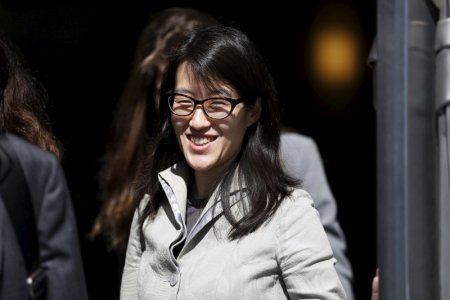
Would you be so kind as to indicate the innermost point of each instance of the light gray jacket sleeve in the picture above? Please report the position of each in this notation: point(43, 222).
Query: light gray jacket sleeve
point(302, 161)
point(129, 289)
point(304, 254)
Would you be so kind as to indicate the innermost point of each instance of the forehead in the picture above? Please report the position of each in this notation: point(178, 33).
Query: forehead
point(187, 81)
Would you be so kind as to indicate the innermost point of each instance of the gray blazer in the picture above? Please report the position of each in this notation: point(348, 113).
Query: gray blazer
point(56, 227)
point(289, 257)
point(302, 160)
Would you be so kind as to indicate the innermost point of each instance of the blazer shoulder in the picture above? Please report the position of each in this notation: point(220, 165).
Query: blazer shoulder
point(297, 139)
point(28, 153)
point(297, 204)
point(295, 146)
point(299, 196)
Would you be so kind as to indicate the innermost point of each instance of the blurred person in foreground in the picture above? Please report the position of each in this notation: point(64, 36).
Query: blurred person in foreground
point(35, 204)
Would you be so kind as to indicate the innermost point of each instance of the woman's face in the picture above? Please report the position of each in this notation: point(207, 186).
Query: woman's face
point(210, 145)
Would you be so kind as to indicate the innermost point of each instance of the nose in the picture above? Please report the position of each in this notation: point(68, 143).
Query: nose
point(199, 119)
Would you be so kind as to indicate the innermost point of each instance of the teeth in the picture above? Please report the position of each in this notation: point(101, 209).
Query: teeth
point(200, 140)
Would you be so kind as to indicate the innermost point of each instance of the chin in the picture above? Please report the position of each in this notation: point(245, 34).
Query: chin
point(197, 165)
point(200, 168)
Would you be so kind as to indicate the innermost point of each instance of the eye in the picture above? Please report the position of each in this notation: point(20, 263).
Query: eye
point(218, 103)
point(181, 100)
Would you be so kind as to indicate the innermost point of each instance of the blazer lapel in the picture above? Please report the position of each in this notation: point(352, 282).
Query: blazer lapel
point(174, 181)
point(5, 164)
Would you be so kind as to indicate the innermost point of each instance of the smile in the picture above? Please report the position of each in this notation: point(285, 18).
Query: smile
point(201, 140)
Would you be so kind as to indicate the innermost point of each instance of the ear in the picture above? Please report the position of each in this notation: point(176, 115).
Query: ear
point(254, 113)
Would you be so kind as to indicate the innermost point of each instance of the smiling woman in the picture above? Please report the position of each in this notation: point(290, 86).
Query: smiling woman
point(219, 218)
point(210, 142)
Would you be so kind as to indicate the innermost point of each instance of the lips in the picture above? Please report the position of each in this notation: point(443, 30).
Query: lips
point(201, 140)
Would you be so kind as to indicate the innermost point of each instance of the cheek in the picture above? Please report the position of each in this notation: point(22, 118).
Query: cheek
point(178, 124)
point(235, 133)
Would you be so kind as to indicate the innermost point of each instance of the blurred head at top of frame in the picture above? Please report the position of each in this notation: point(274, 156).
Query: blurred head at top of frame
point(22, 102)
point(165, 30)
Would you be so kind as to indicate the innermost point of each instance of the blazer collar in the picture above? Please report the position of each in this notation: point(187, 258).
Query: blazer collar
point(175, 184)
point(177, 178)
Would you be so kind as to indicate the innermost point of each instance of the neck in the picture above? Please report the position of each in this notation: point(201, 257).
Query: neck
point(206, 182)
point(203, 186)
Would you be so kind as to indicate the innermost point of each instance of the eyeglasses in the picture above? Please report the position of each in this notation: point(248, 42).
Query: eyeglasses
point(214, 108)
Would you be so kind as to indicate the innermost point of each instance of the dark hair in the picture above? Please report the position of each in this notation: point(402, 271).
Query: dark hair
point(134, 116)
point(23, 102)
point(216, 55)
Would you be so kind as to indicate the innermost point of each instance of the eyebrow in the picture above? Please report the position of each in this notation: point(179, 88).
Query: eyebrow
point(213, 93)
point(183, 91)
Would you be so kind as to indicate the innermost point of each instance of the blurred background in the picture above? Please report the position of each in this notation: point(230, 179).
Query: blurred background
point(317, 53)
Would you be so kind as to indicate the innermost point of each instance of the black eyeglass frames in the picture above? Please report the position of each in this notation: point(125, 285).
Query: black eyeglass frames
point(214, 108)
